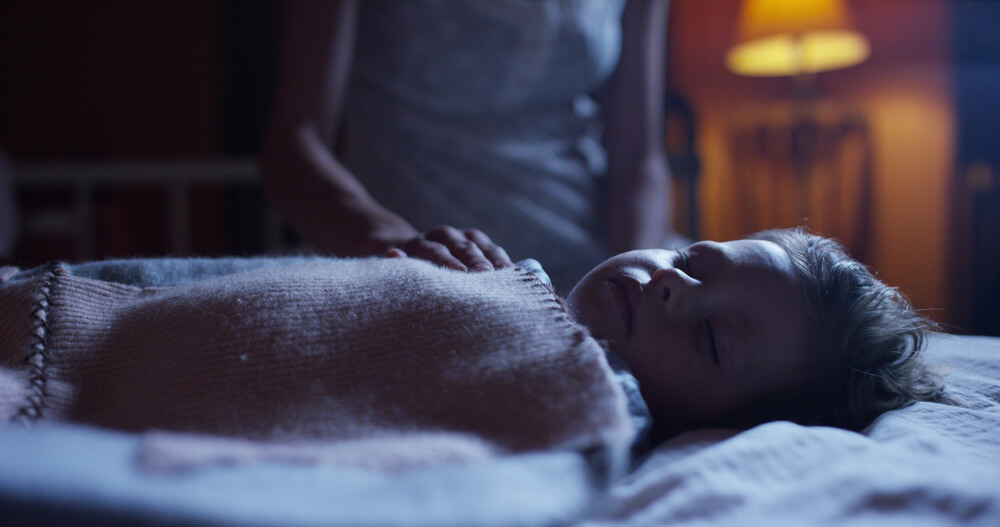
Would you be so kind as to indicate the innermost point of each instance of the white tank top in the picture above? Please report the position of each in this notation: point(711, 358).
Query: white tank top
point(478, 113)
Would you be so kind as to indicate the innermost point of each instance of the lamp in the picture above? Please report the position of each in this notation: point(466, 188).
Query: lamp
point(795, 37)
point(823, 146)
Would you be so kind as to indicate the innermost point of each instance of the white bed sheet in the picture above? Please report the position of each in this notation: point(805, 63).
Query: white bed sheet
point(929, 464)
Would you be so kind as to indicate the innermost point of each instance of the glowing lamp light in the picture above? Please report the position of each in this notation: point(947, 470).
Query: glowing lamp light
point(795, 37)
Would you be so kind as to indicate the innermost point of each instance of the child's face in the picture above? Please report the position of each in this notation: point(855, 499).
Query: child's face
point(705, 329)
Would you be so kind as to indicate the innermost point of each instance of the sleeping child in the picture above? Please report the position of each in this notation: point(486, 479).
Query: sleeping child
point(783, 325)
point(383, 352)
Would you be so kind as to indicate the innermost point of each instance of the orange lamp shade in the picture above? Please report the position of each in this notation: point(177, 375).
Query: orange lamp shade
point(793, 37)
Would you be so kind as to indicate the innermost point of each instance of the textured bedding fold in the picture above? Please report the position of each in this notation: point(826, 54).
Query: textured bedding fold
point(362, 352)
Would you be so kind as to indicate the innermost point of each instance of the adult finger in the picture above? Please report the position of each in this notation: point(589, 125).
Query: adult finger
point(496, 254)
point(433, 252)
point(461, 247)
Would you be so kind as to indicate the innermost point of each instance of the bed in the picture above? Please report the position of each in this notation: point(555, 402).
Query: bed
point(929, 464)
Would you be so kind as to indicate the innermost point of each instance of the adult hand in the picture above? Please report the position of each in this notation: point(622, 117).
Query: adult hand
point(464, 250)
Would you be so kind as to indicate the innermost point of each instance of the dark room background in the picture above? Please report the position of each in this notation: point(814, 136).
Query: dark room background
point(130, 129)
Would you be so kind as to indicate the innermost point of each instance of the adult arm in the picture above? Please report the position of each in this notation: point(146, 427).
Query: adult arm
point(639, 204)
point(302, 178)
point(305, 181)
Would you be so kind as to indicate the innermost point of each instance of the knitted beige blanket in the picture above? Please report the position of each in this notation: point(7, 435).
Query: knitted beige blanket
point(376, 359)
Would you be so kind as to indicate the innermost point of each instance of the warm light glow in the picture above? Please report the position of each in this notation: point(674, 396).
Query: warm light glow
point(792, 37)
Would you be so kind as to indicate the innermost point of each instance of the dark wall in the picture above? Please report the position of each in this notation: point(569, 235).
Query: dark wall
point(111, 80)
point(250, 35)
point(126, 78)
point(977, 85)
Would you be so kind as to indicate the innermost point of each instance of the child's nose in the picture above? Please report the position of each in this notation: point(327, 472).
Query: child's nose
point(668, 281)
point(657, 277)
point(668, 274)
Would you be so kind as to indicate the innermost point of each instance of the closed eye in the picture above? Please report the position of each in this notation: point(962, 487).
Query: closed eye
point(685, 262)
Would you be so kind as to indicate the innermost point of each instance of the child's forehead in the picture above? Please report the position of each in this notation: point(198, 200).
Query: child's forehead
point(758, 254)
